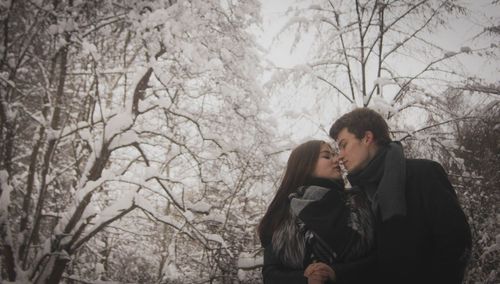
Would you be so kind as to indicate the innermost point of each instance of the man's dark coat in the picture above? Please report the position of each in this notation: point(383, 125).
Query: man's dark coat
point(432, 243)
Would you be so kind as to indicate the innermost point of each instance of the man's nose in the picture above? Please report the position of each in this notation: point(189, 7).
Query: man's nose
point(341, 155)
point(341, 158)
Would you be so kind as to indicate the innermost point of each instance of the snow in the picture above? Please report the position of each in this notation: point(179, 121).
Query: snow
point(4, 77)
point(151, 172)
point(215, 64)
point(167, 219)
point(171, 272)
point(124, 139)
point(52, 134)
point(124, 202)
point(382, 81)
point(90, 49)
point(99, 268)
point(292, 21)
point(216, 238)
point(214, 53)
point(90, 185)
point(492, 248)
point(53, 29)
point(214, 217)
point(466, 49)
point(118, 123)
point(317, 7)
point(450, 54)
point(189, 216)
point(382, 106)
point(200, 207)
point(5, 196)
point(164, 102)
point(305, 68)
point(247, 260)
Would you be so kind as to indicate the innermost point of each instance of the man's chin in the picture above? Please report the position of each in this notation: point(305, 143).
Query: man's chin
point(352, 171)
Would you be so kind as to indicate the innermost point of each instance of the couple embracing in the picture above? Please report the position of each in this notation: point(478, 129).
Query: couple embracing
point(400, 222)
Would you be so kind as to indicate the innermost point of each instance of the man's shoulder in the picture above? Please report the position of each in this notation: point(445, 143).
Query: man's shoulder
point(422, 167)
point(422, 163)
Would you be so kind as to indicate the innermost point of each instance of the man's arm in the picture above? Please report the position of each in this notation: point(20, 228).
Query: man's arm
point(363, 270)
point(451, 234)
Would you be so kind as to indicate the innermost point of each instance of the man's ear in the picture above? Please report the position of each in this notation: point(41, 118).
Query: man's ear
point(369, 138)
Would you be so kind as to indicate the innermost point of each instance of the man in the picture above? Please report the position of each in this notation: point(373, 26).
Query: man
point(422, 233)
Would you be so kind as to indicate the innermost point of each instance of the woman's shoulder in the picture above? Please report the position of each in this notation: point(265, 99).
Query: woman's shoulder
point(312, 192)
point(325, 183)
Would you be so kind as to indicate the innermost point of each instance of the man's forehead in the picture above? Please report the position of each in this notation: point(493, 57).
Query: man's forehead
point(343, 134)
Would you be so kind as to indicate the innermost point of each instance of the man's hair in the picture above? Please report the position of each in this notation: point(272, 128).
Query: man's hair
point(361, 120)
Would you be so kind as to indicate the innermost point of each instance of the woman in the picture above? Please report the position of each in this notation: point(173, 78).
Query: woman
point(314, 231)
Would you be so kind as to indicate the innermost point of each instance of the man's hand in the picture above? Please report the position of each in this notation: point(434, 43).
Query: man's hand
point(319, 272)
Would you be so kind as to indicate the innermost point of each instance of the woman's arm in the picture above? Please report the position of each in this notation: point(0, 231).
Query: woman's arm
point(274, 272)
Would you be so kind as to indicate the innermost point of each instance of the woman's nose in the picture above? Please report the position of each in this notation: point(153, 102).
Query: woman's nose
point(335, 159)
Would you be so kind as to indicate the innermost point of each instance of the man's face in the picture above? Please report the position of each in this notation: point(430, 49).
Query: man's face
point(353, 152)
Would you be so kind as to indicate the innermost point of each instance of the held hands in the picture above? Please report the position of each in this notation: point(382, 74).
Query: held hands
point(319, 273)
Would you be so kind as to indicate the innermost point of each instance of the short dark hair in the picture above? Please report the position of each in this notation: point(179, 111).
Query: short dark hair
point(361, 120)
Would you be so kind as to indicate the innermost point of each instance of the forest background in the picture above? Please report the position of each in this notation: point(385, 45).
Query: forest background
point(141, 141)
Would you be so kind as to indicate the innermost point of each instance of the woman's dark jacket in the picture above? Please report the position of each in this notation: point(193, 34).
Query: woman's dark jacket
point(430, 241)
point(336, 219)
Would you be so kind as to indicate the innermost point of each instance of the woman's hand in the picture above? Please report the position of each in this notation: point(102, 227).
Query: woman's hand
point(318, 273)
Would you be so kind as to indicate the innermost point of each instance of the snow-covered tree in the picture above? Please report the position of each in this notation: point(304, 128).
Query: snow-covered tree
point(479, 181)
point(381, 54)
point(122, 122)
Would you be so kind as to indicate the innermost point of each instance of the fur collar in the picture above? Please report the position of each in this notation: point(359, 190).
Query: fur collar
point(289, 243)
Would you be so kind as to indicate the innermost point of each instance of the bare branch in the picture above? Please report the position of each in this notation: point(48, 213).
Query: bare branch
point(436, 125)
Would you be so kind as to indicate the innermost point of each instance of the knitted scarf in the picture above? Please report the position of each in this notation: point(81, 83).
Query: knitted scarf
point(383, 179)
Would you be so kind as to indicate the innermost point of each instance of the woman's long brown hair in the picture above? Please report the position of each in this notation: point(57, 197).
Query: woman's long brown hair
point(299, 169)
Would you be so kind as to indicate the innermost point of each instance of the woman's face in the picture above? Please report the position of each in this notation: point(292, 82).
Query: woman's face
point(327, 165)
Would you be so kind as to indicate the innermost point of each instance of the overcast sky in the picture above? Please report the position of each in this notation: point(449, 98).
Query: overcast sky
point(306, 125)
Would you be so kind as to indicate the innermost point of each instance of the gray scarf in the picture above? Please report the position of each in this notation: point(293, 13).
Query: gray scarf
point(289, 240)
point(384, 179)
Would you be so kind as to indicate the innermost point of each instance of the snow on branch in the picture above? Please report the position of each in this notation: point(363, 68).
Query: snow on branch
point(123, 139)
point(481, 88)
point(218, 239)
point(200, 207)
point(91, 185)
point(117, 124)
point(247, 261)
point(110, 214)
point(5, 190)
point(144, 205)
